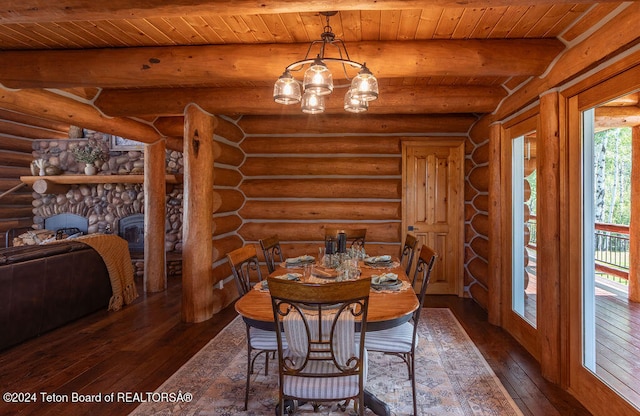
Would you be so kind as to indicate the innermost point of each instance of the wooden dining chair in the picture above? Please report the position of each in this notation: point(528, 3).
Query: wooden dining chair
point(272, 252)
point(245, 267)
point(324, 360)
point(408, 252)
point(355, 236)
point(402, 340)
point(246, 271)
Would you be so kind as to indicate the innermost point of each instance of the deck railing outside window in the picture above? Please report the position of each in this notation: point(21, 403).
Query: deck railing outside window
point(611, 248)
point(533, 236)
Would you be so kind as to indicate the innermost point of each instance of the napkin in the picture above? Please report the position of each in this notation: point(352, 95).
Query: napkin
point(378, 259)
point(290, 276)
point(300, 259)
point(384, 278)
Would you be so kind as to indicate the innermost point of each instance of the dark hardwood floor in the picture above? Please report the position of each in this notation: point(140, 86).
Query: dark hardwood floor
point(139, 347)
point(518, 371)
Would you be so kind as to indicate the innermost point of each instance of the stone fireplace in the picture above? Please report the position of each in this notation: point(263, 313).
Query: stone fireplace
point(106, 205)
point(112, 207)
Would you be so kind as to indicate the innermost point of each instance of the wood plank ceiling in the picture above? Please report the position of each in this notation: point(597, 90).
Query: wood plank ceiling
point(148, 58)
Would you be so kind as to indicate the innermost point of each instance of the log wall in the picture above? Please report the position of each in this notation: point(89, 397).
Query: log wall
point(227, 200)
point(269, 180)
point(297, 186)
point(17, 134)
point(303, 174)
point(476, 230)
point(291, 177)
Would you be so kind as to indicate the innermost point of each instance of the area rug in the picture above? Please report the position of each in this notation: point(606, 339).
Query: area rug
point(452, 378)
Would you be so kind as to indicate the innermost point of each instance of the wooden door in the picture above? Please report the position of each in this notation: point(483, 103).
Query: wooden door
point(433, 206)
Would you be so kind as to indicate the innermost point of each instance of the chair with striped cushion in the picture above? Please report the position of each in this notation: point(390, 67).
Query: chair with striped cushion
point(408, 252)
point(272, 252)
point(402, 340)
point(325, 360)
point(246, 270)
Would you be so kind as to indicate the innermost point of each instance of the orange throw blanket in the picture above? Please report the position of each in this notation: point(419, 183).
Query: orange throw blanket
point(115, 254)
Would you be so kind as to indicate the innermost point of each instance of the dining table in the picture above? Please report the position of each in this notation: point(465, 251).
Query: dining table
point(387, 307)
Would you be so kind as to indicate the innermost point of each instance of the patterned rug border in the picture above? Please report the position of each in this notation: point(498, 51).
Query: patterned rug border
point(201, 374)
point(484, 361)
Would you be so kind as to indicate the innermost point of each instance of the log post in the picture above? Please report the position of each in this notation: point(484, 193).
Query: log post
point(634, 227)
point(155, 277)
point(548, 272)
point(197, 231)
point(495, 271)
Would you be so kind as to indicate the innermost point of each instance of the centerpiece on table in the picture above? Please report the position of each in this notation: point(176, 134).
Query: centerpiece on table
point(90, 153)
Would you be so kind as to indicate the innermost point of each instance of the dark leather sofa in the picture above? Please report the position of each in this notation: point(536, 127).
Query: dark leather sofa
point(44, 287)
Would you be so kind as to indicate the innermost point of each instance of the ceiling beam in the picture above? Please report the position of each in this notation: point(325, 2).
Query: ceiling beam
point(616, 117)
point(212, 65)
point(31, 132)
point(34, 121)
point(627, 100)
point(52, 106)
point(324, 123)
point(259, 101)
point(29, 11)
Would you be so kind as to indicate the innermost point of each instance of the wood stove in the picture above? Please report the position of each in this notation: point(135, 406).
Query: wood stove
point(131, 228)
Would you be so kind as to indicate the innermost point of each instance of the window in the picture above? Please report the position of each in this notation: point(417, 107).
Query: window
point(523, 227)
point(603, 316)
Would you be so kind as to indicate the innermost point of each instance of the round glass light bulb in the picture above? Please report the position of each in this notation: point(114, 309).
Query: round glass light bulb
point(353, 104)
point(312, 103)
point(365, 85)
point(318, 79)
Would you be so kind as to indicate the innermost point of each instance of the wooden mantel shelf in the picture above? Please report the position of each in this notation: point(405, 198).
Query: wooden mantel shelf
point(77, 179)
point(46, 184)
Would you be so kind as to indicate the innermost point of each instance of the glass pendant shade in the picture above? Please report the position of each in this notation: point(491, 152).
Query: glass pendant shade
point(312, 103)
point(318, 79)
point(365, 86)
point(354, 105)
point(286, 90)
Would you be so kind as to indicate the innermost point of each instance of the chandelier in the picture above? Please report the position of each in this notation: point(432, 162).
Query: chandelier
point(318, 79)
